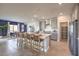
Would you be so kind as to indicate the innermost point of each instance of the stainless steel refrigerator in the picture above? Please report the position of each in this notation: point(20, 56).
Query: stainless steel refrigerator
point(73, 38)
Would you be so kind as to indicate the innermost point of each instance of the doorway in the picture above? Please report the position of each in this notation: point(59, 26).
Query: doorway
point(63, 31)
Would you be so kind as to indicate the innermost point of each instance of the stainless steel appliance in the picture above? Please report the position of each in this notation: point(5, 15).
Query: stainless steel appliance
point(73, 38)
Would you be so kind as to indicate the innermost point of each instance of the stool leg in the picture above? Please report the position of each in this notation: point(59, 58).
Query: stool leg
point(21, 42)
point(43, 49)
point(25, 42)
point(31, 44)
point(18, 42)
point(39, 47)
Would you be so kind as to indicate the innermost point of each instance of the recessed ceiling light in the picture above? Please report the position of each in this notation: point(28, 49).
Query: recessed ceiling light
point(35, 16)
point(61, 13)
point(32, 19)
point(43, 17)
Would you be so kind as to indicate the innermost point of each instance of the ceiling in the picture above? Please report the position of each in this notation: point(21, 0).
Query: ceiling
point(38, 10)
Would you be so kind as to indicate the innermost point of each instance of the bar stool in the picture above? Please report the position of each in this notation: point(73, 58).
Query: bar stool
point(17, 36)
point(39, 42)
point(21, 38)
point(42, 46)
point(31, 37)
point(25, 39)
point(36, 44)
point(29, 40)
point(23, 35)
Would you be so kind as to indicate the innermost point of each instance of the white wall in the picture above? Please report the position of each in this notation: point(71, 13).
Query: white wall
point(75, 13)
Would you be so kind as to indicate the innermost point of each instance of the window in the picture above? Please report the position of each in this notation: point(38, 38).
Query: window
point(13, 28)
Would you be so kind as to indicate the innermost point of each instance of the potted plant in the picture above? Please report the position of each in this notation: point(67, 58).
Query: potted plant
point(3, 27)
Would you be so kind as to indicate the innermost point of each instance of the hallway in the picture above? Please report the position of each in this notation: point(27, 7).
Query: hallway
point(9, 48)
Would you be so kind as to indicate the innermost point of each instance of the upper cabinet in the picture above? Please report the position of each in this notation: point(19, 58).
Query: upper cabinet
point(48, 24)
point(54, 23)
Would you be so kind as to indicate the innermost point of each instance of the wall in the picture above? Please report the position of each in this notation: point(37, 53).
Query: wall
point(74, 15)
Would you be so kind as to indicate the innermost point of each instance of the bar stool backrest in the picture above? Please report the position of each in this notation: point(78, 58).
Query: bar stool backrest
point(17, 34)
point(21, 35)
point(32, 36)
point(28, 36)
point(36, 38)
point(25, 35)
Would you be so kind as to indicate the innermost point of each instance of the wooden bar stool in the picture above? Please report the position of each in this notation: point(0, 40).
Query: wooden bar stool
point(26, 38)
point(32, 36)
point(42, 47)
point(36, 44)
point(29, 41)
point(39, 43)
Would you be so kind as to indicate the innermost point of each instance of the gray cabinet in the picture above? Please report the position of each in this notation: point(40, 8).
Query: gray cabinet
point(54, 28)
point(53, 36)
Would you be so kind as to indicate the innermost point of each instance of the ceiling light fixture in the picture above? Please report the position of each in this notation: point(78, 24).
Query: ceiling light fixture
point(61, 14)
point(35, 15)
point(32, 19)
point(43, 17)
point(59, 3)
